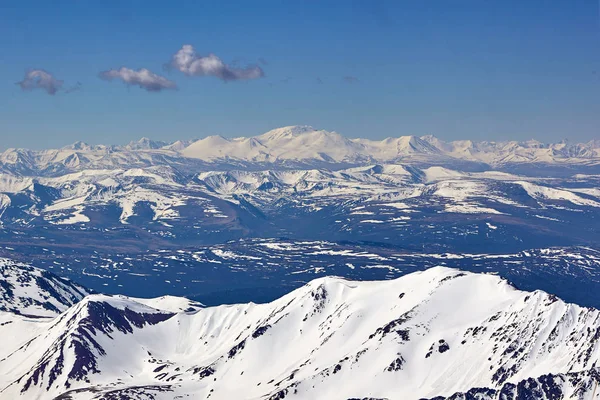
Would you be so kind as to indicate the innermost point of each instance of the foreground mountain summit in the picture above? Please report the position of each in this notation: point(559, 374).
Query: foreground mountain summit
point(440, 334)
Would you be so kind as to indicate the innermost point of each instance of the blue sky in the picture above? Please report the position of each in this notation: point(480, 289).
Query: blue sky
point(457, 69)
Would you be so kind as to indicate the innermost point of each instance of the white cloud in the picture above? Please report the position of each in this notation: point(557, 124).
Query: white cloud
point(190, 63)
point(40, 79)
point(143, 78)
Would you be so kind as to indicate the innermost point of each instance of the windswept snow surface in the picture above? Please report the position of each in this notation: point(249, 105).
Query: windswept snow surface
point(427, 334)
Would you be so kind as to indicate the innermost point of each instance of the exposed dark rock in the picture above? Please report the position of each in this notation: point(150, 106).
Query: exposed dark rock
point(396, 365)
point(260, 331)
point(237, 348)
point(392, 325)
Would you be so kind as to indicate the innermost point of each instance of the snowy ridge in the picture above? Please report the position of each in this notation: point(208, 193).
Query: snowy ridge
point(31, 291)
point(296, 145)
point(65, 199)
point(434, 333)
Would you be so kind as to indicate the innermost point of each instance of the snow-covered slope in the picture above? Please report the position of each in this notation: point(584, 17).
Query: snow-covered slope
point(33, 292)
point(427, 334)
point(294, 146)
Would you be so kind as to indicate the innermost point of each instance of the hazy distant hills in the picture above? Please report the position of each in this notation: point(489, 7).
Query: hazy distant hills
point(298, 146)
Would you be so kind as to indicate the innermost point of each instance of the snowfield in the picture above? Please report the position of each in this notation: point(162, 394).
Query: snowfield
point(427, 335)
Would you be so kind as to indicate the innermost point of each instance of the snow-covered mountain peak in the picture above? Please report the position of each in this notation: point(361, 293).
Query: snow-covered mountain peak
point(299, 134)
point(146, 144)
point(216, 139)
point(163, 304)
point(179, 145)
point(414, 144)
point(428, 334)
point(220, 148)
point(534, 144)
point(171, 304)
point(286, 132)
point(79, 146)
point(103, 309)
point(432, 140)
point(288, 143)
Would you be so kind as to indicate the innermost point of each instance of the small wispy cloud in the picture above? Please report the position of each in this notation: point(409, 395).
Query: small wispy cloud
point(350, 79)
point(191, 63)
point(74, 88)
point(40, 79)
point(143, 78)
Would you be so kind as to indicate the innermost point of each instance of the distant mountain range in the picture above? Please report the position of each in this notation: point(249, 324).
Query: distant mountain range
point(437, 334)
point(386, 203)
point(297, 146)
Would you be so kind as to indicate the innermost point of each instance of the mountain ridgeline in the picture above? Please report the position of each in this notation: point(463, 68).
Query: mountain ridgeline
point(302, 147)
point(438, 334)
